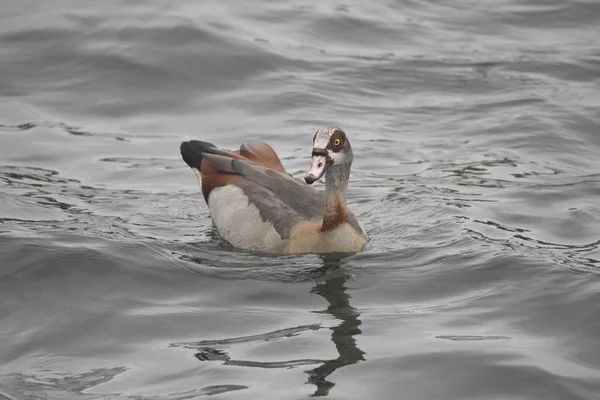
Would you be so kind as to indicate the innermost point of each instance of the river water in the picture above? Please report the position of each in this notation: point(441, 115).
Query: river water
point(476, 134)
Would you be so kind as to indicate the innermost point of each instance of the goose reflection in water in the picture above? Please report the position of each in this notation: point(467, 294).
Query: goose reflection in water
point(332, 289)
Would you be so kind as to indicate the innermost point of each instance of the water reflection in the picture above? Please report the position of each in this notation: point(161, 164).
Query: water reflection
point(331, 285)
point(334, 291)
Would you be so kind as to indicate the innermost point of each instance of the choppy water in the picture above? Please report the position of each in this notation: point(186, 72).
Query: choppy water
point(475, 126)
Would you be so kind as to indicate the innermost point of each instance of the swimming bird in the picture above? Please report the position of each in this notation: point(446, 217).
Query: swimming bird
point(255, 204)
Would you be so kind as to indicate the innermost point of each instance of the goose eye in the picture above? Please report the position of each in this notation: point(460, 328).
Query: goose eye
point(337, 142)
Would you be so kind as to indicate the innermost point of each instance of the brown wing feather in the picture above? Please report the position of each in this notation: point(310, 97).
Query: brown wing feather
point(216, 168)
point(262, 154)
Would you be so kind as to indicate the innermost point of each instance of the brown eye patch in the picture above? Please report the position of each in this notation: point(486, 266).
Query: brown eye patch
point(337, 140)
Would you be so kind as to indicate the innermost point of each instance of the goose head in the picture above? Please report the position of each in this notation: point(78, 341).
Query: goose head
point(331, 154)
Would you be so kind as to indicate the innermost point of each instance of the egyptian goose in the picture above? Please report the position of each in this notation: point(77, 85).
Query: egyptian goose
point(256, 204)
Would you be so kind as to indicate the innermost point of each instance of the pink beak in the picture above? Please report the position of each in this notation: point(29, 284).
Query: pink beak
point(317, 169)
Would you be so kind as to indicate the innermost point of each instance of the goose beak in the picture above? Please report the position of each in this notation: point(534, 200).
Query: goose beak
point(318, 167)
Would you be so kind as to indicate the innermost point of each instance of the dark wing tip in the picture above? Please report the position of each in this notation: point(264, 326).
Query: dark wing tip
point(192, 152)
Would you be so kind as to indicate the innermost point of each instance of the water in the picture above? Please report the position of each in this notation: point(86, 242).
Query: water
point(475, 127)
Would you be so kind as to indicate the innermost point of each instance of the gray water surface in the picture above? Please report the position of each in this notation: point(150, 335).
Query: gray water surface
point(476, 132)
